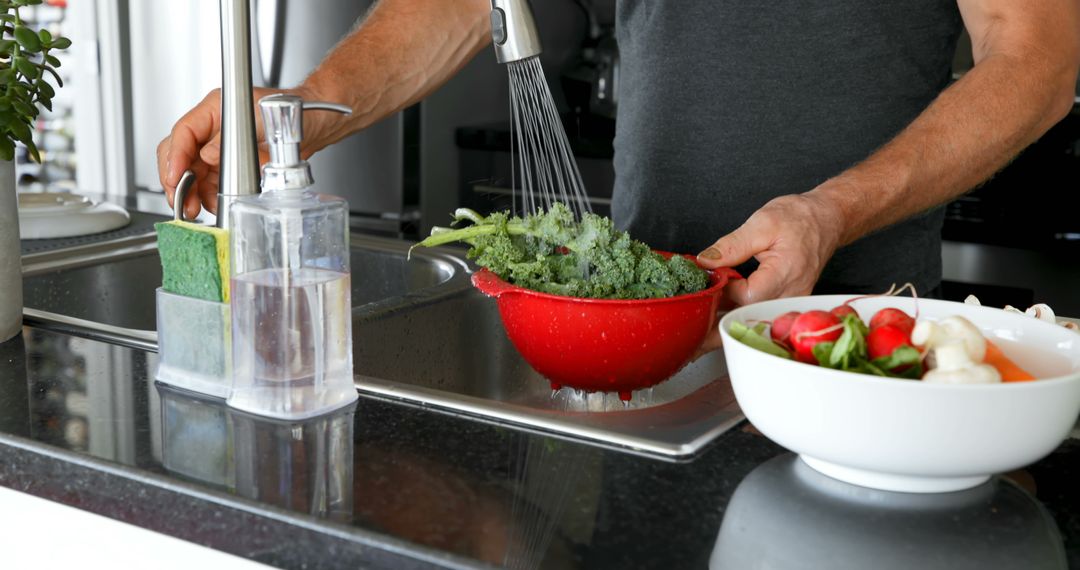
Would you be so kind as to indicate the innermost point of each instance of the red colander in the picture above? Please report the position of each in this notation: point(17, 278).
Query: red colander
point(602, 344)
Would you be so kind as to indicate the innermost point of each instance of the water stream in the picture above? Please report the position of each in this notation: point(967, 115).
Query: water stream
point(545, 168)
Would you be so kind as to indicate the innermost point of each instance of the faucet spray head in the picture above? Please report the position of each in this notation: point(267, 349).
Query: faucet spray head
point(513, 30)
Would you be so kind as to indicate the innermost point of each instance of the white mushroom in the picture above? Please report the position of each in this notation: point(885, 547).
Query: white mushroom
point(930, 335)
point(1042, 311)
point(955, 366)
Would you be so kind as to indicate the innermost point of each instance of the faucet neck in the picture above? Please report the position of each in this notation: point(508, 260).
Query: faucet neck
point(239, 172)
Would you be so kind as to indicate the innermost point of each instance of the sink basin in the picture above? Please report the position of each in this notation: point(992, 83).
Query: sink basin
point(422, 335)
point(454, 354)
point(114, 288)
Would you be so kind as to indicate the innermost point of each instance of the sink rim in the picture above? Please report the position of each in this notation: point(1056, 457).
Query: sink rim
point(591, 428)
point(678, 442)
point(36, 264)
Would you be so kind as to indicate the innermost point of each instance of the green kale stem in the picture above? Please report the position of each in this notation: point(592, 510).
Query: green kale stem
point(443, 236)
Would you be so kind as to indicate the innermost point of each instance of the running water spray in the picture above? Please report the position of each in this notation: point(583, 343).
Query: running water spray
point(545, 170)
point(544, 166)
point(545, 474)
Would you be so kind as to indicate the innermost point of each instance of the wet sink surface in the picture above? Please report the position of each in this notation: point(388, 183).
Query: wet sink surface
point(422, 335)
point(455, 354)
point(116, 288)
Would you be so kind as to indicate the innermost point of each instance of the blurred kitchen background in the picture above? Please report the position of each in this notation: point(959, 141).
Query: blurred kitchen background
point(136, 66)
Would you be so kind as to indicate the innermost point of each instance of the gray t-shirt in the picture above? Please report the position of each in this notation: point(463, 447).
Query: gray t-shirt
point(725, 104)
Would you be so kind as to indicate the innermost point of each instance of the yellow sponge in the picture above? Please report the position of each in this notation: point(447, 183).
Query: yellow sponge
point(194, 260)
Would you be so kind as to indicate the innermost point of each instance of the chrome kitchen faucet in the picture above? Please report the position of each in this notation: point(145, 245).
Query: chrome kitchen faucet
point(239, 171)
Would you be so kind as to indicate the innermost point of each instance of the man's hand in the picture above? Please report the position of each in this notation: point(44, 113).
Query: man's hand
point(195, 143)
point(383, 66)
point(792, 237)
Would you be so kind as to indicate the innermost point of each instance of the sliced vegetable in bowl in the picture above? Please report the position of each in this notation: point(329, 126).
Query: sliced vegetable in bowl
point(893, 344)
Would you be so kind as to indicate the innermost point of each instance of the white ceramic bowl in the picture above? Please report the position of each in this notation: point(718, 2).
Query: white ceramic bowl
point(902, 435)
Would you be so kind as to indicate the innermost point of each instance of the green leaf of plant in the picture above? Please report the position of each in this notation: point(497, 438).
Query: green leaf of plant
point(6, 45)
point(27, 39)
point(61, 43)
point(5, 103)
point(21, 131)
point(52, 60)
point(23, 108)
point(27, 68)
point(44, 36)
point(7, 148)
point(45, 90)
point(56, 76)
point(7, 17)
point(33, 149)
point(47, 103)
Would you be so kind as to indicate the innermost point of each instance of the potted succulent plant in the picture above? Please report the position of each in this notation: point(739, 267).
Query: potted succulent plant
point(26, 65)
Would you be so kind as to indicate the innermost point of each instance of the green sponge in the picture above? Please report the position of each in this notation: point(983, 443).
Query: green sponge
point(194, 260)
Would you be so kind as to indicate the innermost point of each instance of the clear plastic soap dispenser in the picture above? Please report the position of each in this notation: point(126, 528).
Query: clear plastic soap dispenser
point(290, 297)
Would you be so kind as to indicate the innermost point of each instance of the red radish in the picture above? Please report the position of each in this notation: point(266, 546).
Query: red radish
point(885, 339)
point(843, 310)
point(893, 317)
point(805, 333)
point(781, 326)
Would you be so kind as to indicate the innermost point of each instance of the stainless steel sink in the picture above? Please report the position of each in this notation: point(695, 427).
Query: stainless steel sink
point(455, 354)
point(111, 290)
point(422, 335)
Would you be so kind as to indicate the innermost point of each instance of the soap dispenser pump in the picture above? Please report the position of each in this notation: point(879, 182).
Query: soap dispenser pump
point(290, 296)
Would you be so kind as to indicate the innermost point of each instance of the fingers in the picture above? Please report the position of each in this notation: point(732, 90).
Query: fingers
point(179, 150)
point(767, 282)
point(163, 166)
point(205, 190)
point(737, 247)
point(210, 153)
point(792, 237)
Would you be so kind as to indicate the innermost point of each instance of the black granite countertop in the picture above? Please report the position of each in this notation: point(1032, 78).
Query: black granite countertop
point(385, 485)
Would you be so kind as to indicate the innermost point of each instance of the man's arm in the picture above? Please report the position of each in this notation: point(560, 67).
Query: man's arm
point(1026, 52)
point(403, 50)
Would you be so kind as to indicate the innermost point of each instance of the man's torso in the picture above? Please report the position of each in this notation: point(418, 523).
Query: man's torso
point(725, 104)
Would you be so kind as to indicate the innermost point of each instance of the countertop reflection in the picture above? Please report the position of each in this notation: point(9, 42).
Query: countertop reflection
point(389, 485)
point(304, 466)
point(786, 515)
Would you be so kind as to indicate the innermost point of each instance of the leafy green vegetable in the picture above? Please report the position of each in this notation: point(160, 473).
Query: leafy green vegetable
point(903, 356)
point(552, 252)
point(755, 338)
point(851, 344)
point(849, 353)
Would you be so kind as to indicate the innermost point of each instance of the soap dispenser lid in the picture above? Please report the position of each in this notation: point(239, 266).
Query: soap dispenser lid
point(283, 123)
